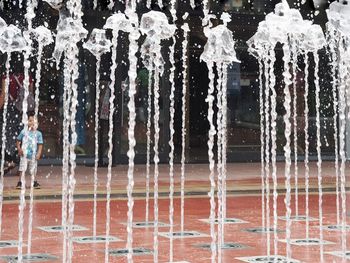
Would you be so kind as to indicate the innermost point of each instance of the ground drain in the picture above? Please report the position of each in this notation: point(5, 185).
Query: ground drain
point(8, 243)
point(148, 224)
point(186, 234)
point(268, 259)
point(340, 254)
point(96, 239)
point(298, 218)
point(261, 230)
point(336, 227)
point(226, 221)
point(232, 246)
point(30, 258)
point(135, 251)
point(307, 242)
point(60, 228)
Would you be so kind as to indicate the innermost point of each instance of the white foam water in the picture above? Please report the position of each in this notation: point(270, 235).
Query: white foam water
point(306, 131)
point(185, 29)
point(272, 77)
point(172, 148)
point(110, 140)
point(3, 138)
point(133, 47)
point(97, 44)
point(262, 140)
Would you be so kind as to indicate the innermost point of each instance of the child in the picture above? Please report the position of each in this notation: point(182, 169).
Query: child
point(32, 140)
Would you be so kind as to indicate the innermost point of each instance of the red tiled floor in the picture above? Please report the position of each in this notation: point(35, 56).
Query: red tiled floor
point(243, 206)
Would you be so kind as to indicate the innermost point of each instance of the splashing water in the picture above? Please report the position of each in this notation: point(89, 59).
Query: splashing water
point(55, 4)
point(218, 49)
point(3, 25)
point(156, 161)
point(4, 124)
point(26, 63)
point(218, 53)
point(148, 134)
point(212, 132)
point(333, 44)
point(287, 151)
point(11, 39)
point(306, 131)
point(172, 148)
point(70, 31)
point(342, 122)
point(185, 29)
point(318, 149)
point(44, 37)
point(97, 44)
point(219, 157)
point(260, 46)
point(155, 26)
point(133, 46)
point(262, 141)
point(338, 35)
point(65, 160)
point(315, 40)
point(224, 147)
point(295, 124)
point(116, 22)
point(267, 151)
point(278, 28)
point(272, 77)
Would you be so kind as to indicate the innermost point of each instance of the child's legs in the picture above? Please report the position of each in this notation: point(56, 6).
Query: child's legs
point(23, 165)
point(32, 166)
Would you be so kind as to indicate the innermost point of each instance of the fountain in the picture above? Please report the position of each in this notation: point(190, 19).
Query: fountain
point(13, 40)
point(70, 32)
point(298, 39)
point(156, 28)
point(116, 22)
point(218, 51)
point(97, 44)
point(43, 37)
point(285, 28)
point(338, 37)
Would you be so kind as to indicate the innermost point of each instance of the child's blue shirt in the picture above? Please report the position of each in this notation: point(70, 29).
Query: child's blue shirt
point(31, 139)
